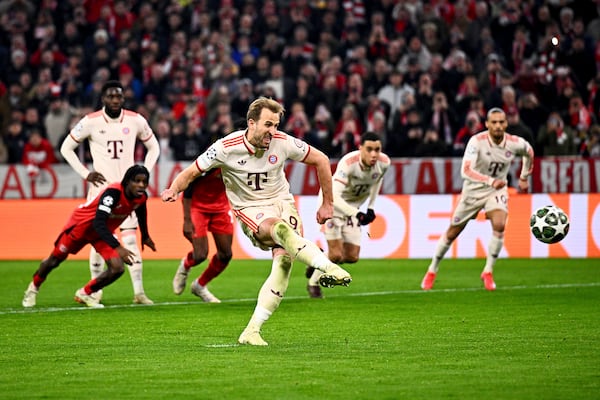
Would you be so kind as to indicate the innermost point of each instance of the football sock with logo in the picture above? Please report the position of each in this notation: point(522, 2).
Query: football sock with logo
point(440, 250)
point(271, 292)
point(96, 263)
point(299, 248)
point(135, 269)
point(494, 247)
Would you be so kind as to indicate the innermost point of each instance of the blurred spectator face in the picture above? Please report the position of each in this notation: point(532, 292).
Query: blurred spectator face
point(18, 58)
point(575, 103)
point(415, 44)
point(25, 80)
point(32, 116)
point(35, 138)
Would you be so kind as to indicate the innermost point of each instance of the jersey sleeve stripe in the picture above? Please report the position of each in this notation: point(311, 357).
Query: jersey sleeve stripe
point(474, 175)
point(307, 153)
point(74, 138)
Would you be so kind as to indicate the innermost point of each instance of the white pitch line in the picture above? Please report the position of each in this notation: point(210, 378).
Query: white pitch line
point(365, 294)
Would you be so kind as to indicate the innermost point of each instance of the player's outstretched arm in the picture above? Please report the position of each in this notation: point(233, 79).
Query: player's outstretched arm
point(180, 183)
point(320, 161)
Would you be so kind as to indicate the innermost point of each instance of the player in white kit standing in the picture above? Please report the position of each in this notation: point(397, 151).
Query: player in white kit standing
point(485, 167)
point(358, 177)
point(112, 133)
point(252, 165)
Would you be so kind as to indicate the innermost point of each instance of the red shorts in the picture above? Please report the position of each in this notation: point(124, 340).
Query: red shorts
point(73, 240)
point(221, 222)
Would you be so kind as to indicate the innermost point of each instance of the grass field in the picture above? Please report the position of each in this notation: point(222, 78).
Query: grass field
point(536, 337)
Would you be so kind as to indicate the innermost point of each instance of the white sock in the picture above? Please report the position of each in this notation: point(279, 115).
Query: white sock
point(135, 270)
point(272, 291)
point(300, 248)
point(96, 263)
point(494, 247)
point(440, 250)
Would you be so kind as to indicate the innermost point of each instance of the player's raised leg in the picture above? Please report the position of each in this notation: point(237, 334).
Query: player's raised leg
point(309, 253)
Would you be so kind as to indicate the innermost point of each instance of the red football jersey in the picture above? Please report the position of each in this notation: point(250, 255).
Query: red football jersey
point(208, 193)
point(119, 209)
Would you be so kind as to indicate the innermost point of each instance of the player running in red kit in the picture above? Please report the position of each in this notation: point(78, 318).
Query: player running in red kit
point(205, 209)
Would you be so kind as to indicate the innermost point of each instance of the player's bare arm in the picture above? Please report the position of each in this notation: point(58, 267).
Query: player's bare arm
point(181, 182)
point(320, 161)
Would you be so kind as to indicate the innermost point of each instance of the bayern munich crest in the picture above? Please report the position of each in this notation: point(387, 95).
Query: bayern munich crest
point(126, 131)
point(273, 159)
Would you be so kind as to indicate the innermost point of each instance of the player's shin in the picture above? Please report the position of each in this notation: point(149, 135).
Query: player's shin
point(272, 291)
point(440, 250)
point(494, 248)
point(96, 263)
point(135, 269)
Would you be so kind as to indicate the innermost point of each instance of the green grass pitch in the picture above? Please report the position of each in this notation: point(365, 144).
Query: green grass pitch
point(536, 337)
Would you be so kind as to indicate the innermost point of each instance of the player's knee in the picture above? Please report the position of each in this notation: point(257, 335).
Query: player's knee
point(200, 256)
point(280, 232)
point(116, 267)
point(225, 256)
point(285, 262)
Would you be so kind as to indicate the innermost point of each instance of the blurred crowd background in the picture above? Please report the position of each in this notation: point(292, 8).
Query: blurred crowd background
point(422, 74)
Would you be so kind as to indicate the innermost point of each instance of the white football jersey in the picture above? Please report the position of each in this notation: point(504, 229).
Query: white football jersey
point(485, 161)
point(112, 142)
point(253, 177)
point(354, 182)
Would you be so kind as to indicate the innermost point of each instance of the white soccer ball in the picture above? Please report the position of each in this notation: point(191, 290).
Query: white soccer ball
point(549, 224)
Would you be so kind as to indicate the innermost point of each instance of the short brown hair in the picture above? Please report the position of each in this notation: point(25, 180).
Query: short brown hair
point(263, 102)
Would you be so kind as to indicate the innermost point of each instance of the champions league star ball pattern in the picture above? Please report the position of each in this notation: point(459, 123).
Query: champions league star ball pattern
point(549, 224)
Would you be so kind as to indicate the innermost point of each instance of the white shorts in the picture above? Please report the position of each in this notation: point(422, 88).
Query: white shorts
point(470, 204)
point(250, 218)
point(346, 229)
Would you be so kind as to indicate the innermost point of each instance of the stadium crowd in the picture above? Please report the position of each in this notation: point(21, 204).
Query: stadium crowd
point(421, 74)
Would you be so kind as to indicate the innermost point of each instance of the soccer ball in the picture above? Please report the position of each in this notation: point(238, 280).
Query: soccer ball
point(549, 224)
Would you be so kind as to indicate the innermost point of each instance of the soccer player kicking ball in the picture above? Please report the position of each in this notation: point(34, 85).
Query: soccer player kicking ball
point(358, 177)
point(252, 163)
point(94, 222)
point(484, 169)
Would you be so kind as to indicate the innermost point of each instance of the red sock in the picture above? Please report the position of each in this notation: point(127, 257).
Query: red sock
point(89, 288)
point(215, 267)
point(189, 260)
point(38, 280)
